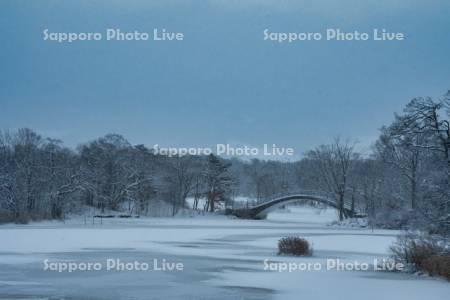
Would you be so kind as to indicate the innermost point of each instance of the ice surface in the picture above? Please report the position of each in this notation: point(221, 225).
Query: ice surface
point(223, 259)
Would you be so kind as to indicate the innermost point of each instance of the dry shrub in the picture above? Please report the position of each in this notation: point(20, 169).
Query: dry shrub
point(438, 265)
point(422, 253)
point(294, 246)
point(413, 250)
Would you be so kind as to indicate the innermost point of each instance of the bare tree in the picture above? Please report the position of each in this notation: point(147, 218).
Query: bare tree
point(334, 165)
point(396, 150)
point(182, 171)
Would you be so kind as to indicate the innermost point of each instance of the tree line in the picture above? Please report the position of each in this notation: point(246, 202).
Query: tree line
point(42, 179)
point(404, 182)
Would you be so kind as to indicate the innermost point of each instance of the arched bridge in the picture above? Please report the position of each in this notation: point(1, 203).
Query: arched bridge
point(260, 211)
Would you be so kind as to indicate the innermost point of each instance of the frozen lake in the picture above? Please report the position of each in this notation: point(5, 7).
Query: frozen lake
point(222, 258)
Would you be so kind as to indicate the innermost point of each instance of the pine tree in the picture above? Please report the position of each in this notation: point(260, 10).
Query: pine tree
point(218, 181)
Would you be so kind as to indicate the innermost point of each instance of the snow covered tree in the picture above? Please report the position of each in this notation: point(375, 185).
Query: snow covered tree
point(424, 127)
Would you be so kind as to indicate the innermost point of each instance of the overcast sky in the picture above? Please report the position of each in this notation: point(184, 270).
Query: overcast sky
point(223, 83)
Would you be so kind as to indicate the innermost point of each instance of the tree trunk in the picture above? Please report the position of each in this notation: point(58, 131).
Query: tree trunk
point(341, 207)
point(352, 211)
point(413, 193)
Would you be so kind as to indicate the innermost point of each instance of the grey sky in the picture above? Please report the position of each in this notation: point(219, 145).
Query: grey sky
point(223, 83)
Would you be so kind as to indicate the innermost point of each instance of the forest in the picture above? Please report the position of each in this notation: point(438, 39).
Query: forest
point(403, 183)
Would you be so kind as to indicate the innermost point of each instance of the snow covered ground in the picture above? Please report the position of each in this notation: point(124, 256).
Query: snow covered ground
point(222, 258)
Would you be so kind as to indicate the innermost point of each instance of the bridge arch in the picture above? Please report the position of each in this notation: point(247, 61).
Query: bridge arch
point(260, 211)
